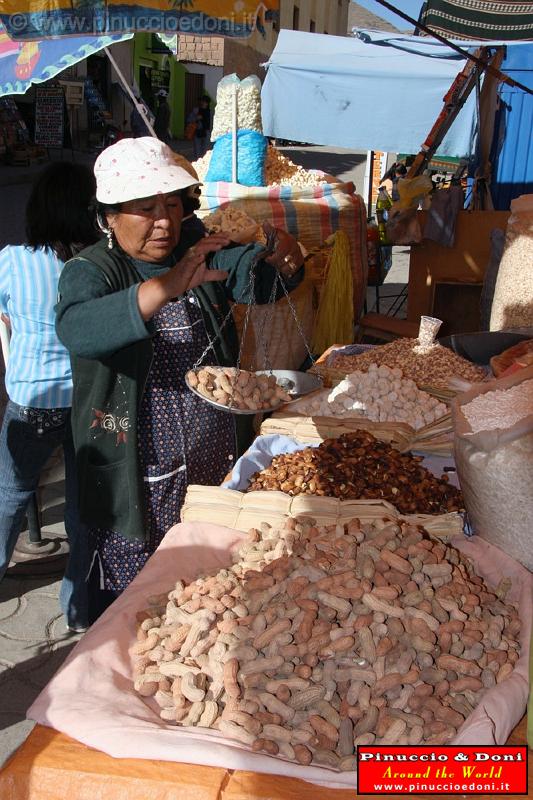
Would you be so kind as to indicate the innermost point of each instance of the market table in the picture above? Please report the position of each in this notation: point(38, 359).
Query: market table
point(51, 766)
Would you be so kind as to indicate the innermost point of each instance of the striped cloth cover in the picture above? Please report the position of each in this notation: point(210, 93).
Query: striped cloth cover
point(478, 19)
point(311, 215)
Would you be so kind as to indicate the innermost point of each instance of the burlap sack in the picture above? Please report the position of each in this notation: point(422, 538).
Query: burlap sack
point(495, 469)
point(512, 306)
point(273, 339)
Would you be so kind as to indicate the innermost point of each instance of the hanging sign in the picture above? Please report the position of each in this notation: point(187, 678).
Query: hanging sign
point(45, 19)
point(49, 120)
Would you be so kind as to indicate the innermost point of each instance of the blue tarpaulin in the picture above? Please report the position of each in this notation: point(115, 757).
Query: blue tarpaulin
point(512, 156)
point(24, 63)
point(379, 92)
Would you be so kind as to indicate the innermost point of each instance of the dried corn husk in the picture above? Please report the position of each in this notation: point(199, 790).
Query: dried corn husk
point(244, 511)
point(335, 316)
point(433, 439)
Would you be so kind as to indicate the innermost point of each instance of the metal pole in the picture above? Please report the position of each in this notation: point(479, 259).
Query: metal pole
point(369, 188)
point(234, 136)
point(125, 84)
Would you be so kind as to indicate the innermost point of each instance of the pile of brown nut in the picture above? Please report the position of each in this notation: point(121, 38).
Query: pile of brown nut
point(320, 639)
point(358, 466)
point(433, 367)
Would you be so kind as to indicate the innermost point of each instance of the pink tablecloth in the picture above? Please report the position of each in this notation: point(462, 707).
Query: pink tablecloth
point(92, 699)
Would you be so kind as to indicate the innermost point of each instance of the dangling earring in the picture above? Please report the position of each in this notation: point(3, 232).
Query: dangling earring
point(107, 229)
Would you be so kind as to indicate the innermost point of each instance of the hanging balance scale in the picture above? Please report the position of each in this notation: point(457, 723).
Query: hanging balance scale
point(239, 391)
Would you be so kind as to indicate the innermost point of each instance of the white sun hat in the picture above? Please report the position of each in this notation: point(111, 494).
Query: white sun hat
point(135, 168)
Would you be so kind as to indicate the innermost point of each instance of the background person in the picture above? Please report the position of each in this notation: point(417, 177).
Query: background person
point(137, 312)
point(38, 374)
point(137, 124)
point(205, 113)
point(201, 115)
point(162, 117)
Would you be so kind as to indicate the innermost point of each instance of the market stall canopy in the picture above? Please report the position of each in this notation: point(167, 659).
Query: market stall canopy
point(24, 63)
point(375, 92)
point(39, 19)
point(477, 19)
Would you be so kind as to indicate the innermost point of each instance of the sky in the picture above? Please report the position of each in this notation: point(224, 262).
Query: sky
point(411, 7)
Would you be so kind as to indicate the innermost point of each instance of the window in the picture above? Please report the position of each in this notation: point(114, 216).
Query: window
point(157, 46)
point(312, 26)
point(296, 18)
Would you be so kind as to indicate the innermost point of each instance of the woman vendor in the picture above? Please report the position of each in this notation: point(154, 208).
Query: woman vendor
point(137, 311)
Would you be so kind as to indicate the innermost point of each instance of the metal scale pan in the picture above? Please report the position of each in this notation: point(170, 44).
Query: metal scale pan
point(297, 384)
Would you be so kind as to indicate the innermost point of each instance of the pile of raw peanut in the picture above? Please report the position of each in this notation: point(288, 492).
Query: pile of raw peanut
point(237, 388)
point(434, 367)
point(358, 466)
point(319, 639)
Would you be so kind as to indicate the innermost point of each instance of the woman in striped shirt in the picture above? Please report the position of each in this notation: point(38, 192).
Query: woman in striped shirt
point(38, 375)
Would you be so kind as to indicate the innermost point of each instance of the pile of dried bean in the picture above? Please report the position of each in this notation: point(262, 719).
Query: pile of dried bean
point(321, 639)
point(358, 466)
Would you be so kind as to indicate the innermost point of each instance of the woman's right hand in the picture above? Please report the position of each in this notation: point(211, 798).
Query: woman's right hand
point(189, 272)
point(192, 270)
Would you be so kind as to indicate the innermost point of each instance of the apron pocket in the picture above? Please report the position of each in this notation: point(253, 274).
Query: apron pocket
point(104, 501)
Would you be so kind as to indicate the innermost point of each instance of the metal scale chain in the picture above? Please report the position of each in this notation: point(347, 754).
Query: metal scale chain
point(267, 250)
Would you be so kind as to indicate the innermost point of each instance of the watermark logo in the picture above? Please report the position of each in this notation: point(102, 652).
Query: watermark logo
point(403, 770)
point(108, 22)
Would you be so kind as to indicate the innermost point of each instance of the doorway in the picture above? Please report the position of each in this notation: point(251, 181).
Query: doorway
point(145, 86)
point(194, 89)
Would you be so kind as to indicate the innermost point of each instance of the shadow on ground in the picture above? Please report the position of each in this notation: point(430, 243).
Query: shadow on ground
point(332, 163)
point(28, 678)
point(391, 300)
point(13, 582)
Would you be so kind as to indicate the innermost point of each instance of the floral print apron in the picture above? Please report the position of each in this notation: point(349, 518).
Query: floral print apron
point(181, 440)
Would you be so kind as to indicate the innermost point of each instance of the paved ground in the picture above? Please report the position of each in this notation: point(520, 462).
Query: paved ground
point(33, 638)
point(348, 165)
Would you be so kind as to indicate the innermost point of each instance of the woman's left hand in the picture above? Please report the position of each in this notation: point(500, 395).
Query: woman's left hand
point(287, 258)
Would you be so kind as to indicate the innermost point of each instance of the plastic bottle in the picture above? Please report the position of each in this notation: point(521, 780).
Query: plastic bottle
point(384, 200)
point(372, 247)
point(383, 203)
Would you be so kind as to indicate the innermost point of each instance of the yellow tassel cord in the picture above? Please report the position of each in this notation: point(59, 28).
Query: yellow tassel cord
point(335, 319)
